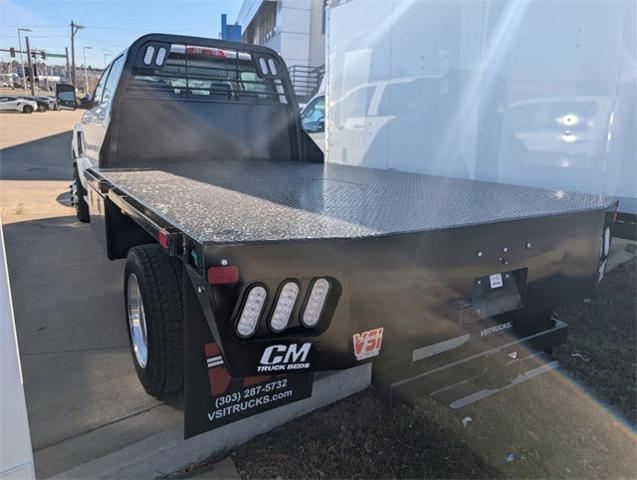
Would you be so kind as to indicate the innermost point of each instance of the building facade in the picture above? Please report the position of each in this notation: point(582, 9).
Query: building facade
point(229, 32)
point(293, 28)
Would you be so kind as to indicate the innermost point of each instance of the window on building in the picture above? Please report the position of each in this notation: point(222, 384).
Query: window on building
point(267, 23)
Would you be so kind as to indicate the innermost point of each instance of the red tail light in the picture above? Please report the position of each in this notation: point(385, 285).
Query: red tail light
point(223, 275)
point(163, 238)
point(207, 52)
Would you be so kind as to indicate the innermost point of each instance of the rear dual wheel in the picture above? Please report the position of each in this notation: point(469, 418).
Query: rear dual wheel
point(154, 314)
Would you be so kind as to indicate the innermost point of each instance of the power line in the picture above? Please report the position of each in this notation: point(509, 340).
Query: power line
point(32, 26)
point(37, 36)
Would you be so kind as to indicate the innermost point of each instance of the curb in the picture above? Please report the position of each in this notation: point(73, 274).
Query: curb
point(167, 452)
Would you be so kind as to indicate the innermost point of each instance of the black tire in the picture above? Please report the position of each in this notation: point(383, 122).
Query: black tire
point(27, 109)
point(159, 280)
point(77, 198)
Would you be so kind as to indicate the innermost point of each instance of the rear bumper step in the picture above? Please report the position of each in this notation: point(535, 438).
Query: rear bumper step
point(549, 365)
point(465, 381)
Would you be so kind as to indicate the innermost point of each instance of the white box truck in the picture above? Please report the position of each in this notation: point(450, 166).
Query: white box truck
point(532, 93)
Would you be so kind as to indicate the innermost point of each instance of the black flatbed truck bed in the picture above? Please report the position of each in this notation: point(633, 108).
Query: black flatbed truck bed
point(261, 201)
point(354, 223)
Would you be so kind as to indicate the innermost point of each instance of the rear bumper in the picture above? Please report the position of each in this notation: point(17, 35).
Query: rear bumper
point(462, 382)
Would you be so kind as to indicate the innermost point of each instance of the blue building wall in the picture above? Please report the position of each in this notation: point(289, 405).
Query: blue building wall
point(229, 32)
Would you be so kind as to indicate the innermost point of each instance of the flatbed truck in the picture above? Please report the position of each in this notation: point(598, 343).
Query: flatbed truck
point(192, 164)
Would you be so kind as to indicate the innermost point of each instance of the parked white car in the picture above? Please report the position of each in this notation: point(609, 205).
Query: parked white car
point(17, 105)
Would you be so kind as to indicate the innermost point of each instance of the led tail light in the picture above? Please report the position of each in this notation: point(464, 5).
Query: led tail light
point(284, 306)
point(315, 303)
point(252, 308)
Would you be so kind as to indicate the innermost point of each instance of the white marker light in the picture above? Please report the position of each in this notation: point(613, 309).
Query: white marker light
point(315, 303)
point(284, 305)
point(263, 65)
point(161, 55)
point(148, 55)
point(272, 66)
point(251, 312)
point(607, 241)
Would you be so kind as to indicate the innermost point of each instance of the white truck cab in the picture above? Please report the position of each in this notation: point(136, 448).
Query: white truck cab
point(89, 133)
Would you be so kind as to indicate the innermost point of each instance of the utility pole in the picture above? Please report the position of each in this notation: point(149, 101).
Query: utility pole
point(31, 71)
point(74, 28)
point(24, 73)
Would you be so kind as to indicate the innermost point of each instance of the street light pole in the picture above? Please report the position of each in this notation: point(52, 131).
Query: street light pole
point(107, 53)
point(84, 49)
point(24, 73)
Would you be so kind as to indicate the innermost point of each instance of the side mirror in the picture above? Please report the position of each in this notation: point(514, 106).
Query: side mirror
point(65, 96)
point(320, 125)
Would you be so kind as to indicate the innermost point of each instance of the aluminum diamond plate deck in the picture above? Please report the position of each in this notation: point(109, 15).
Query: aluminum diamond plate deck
point(267, 201)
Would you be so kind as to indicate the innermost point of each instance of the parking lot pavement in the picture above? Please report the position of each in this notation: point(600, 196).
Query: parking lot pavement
point(83, 398)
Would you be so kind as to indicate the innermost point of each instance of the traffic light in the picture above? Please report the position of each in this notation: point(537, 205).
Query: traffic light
point(12, 52)
point(43, 55)
point(33, 54)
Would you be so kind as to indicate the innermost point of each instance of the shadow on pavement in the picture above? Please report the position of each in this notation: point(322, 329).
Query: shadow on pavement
point(45, 159)
point(83, 397)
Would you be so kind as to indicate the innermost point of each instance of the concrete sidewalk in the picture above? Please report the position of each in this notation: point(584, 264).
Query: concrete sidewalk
point(167, 451)
point(83, 398)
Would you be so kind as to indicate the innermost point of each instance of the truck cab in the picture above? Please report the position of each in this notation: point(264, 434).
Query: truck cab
point(90, 132)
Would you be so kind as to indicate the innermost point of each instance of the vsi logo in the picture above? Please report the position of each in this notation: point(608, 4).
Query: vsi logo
point(495, 329)
point(367, 344)
point(285, 357)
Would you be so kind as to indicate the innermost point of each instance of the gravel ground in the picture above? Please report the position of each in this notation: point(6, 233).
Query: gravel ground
point(576, 423)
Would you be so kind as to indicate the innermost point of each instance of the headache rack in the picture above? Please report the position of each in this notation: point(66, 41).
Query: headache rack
point(183, 71)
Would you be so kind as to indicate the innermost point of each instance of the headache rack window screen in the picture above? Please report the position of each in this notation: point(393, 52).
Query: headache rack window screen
point(206, 74)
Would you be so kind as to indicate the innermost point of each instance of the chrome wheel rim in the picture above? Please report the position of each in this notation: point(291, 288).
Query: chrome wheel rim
point(137, 321)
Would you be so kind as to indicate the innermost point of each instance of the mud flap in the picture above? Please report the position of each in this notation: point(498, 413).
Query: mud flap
point(211, 397)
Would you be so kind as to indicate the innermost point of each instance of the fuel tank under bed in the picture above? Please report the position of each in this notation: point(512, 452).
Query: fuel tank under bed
point(277, 201)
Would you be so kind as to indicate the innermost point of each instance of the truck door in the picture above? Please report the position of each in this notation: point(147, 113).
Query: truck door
point(96, 120)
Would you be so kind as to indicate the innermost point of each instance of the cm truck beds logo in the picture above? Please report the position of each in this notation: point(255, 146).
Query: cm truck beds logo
point(279, 358)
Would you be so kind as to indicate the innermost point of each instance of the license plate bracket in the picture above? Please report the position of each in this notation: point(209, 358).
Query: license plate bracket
point(496, 294)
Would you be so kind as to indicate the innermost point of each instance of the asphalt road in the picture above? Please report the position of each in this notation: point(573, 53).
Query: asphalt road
point(83, 398)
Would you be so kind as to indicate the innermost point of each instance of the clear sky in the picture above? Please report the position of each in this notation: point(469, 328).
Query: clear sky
point(110, 25)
